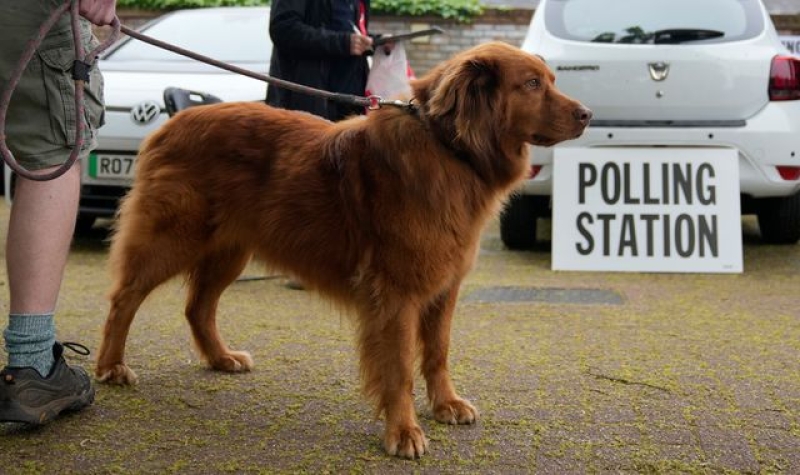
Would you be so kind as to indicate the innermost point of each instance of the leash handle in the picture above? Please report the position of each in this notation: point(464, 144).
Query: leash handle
point(80, 77)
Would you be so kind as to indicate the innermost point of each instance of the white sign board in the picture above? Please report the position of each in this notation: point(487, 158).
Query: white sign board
point(792, 43)
point(643, 209)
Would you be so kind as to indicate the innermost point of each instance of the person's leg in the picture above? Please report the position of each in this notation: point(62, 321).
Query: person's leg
point(37, 384)
point(39, 235)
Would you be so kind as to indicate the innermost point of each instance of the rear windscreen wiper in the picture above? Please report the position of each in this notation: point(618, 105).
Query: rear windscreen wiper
point(682, 35)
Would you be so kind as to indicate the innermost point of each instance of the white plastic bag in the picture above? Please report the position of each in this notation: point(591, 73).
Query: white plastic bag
point(388, 77)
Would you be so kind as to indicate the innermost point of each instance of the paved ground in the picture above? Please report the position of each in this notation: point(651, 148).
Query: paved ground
point(573, 373)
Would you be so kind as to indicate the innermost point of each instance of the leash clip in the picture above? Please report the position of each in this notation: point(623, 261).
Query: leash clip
point(374, 102)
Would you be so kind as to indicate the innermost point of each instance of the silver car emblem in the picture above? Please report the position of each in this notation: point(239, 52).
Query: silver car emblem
point(658, 71)
point(145, 112)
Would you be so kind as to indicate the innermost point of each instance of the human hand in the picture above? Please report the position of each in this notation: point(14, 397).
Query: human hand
point(360, 44)
point(99, 12)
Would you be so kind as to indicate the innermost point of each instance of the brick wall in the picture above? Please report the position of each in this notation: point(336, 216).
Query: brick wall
point(502, 25)
point(787, 24)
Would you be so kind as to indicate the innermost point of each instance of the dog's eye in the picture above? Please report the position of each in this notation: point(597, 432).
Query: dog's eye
point(533, 83)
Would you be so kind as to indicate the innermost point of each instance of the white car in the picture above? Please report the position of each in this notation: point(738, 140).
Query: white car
point(682, 73)
point(136, 75)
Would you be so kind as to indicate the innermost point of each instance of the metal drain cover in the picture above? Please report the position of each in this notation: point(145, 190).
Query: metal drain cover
point(544, 295)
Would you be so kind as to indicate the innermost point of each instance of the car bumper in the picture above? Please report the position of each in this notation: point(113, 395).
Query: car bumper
point(768, 140)
point(120, 135)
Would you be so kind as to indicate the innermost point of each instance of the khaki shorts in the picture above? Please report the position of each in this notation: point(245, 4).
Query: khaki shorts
point(41, 122)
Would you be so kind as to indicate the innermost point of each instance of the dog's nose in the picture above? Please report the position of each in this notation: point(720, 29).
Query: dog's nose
point(582, 115)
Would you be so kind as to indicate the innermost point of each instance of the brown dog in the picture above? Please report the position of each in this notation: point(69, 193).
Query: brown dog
point(382, 214)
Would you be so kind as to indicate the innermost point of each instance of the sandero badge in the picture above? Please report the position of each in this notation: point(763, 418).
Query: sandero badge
point(658, 71)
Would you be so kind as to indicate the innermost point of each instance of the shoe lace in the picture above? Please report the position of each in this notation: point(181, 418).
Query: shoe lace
point(76, 347)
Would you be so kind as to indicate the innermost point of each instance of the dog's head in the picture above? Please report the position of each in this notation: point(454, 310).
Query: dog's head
point(495, 96)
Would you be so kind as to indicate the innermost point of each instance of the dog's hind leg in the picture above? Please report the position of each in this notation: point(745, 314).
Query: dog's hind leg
point(388, 342)
point(139, 266)
point(212, 274)
point(447, 406)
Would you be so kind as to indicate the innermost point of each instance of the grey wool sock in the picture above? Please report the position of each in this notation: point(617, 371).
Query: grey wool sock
point(29, 342)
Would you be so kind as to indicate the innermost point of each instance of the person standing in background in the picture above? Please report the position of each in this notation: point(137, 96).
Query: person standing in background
point(321, 44)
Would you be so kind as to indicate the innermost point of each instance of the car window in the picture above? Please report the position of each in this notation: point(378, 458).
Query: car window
point(235, 37)
point(654, 21)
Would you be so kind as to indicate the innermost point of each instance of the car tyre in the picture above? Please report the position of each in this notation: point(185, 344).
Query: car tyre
point(779, 219)
point(518, 223)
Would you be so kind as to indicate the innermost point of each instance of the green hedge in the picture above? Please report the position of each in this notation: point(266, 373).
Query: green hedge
point(461, 10)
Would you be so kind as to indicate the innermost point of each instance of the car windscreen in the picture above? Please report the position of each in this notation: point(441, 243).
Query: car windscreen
point(654, 21)
point(237, 37)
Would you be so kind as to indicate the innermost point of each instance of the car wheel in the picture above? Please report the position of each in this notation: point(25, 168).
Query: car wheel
point(84, 223)
point(779, 219)
point(518, 223)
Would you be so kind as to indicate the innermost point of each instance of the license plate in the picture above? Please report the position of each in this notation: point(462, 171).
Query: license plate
point(104, 165)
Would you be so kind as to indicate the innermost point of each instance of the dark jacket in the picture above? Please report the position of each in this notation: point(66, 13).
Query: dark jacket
point(304, 52)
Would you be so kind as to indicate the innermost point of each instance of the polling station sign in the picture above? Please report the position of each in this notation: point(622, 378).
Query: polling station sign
point(644, 209)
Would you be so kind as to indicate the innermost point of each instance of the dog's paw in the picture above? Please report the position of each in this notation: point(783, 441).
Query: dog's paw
point(455, 411)
point(407, 442)
point(116, 374)
point(233, 362)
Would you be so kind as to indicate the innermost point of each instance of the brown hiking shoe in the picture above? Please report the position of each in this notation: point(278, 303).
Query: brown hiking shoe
point(26, 396)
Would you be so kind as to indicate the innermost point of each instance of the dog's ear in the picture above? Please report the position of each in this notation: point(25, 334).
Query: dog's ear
point(461, 98)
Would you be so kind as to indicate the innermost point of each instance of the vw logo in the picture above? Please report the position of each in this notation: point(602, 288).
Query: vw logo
point(658, 71)
point(145, 112)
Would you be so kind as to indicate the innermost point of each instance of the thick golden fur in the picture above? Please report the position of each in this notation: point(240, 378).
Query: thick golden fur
point(381, 214)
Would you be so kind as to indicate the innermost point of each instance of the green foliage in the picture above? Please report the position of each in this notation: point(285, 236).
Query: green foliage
point(460, 10)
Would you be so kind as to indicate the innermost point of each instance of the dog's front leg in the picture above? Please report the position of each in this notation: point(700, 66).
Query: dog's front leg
point(388, 349)
point(447, 406)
